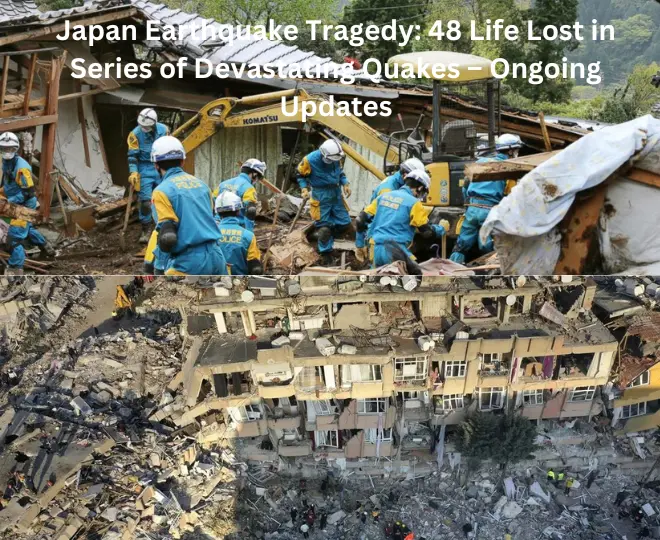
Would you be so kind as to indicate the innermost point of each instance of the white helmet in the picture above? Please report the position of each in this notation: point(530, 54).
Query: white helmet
point(147, 118)
point(508, 141)
point(421, 176)
point(228, 201)
point(167, 148)
point(331, 150)
point(9, 140)
point(255, 165)
point(411, 164)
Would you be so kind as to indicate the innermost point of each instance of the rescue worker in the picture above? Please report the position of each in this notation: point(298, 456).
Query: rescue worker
point(568, 486)
point(182, 208)
point(142, 174)
point(252, 171)
point(18, 188)
point(552, 477)
point(480, 197)
point(395, 218)
point(321, 171)
point(239, 245)
point(391, 183)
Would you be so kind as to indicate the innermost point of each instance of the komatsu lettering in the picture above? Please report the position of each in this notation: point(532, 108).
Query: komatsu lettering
point(260, 120)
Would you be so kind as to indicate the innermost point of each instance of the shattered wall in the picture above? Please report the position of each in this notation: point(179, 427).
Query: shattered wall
point(362, 181)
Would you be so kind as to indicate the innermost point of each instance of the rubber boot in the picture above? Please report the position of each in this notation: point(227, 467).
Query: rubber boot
point(47, 249)
point(146, 233)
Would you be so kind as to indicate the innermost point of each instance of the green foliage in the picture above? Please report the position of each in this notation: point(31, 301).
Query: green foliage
point(49, 5)
point(505, 439)
point(634, 99)
point(382, 12)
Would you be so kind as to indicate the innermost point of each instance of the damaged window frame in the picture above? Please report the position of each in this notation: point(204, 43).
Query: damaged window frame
point(327, 437)
point(401, 363)
point(380, 403)
point(450, 402)
point(319, 410)
point(374, 435)
point(587, 391)
point(639, 380)
point(254, 413)
point(530, 398)
point(375, 372)
point(639, 411)
point(449, 365)
point(493, 391)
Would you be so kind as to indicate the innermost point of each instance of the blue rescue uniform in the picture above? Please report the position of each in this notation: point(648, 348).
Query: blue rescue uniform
point(241, 186)
point(238, 245)
point(139, 160)
point(154, 256)
point(186, 201)
point(390, 183)
point(396, 217)
point(479, 197)
point(327, 206)
point(19, 189)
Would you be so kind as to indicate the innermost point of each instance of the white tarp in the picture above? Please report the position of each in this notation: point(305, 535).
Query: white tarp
point(524, 223)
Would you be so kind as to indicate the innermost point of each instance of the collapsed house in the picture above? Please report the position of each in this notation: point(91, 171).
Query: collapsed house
point(353, 373)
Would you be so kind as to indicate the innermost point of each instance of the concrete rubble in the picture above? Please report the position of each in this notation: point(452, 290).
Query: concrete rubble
point(92, 448)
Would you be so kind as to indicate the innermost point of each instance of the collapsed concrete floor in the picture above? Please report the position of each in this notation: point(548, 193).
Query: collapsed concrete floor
point(89, 450)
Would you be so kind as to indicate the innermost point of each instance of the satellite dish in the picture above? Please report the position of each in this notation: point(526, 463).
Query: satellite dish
point(511, 300)
point(566, 279)
point(247, 296)
point(521, 281)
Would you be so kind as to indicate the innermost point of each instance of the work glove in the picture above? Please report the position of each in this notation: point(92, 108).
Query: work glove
point(444, 224)
point(347, 190)
point(304, 193)
point(361, 254)
point(134, 180)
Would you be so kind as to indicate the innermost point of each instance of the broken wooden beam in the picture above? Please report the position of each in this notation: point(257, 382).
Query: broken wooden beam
point(511, 169)
point(114, 207)
point(15, 211)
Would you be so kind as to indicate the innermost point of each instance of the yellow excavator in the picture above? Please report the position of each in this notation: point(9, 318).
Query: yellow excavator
point(455, 140)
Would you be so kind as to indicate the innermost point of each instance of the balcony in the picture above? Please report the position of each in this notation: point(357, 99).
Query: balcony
point(276, 389)
point(494, 376)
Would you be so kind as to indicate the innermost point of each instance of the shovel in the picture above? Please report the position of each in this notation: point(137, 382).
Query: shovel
point(127, 216)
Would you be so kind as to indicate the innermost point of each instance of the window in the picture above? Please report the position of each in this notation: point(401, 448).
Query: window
point(582, 393)
point(455, 368)
point(636, 409)
point(371, 435)
point(450, 402)
point(410, 396)
point(371, 406)
point(410, 369)
point(245, 414)
point(290, 434)
point(362, 373)
point(642, 380)
point(533, 397)
point(324, 407)
point(326, 438)
point(491, 398)
point(489, 358)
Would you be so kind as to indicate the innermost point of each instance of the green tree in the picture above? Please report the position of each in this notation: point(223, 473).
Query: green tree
point(504, 439)
point(633, 100)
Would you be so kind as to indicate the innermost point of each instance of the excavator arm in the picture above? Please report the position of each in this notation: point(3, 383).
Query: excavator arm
point(266, 109)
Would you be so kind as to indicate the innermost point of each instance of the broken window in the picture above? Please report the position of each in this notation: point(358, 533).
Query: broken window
point(480, 308)
point(361, 373)
point(372, 435)
point(491, 398)
point(518, 306)
point(410, 369)
point(326, 438)
point(245, 413)
point(532, 397)
point(642, 380)
point(291, 434)
point(324, 407)
point(449, 402)
point(636, 409)
point(455, 368)
point(582, 393)
point(413, 400)
point(371, 406)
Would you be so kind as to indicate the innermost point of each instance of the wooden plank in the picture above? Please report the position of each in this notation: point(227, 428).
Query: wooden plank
point(107, 209)
point(544, 132)
point(28, 83)
point(83, 93)
point(580, 232)
point(68, 189)
point(83, 126)
point(122, 13)
point(5, 75)
point(21, 123)
point(644, 177)
point(15, 211)
point(510, 169)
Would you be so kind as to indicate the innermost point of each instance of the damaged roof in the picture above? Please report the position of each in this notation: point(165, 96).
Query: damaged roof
point(646, 327)
point(13, 9)
point(632, 367)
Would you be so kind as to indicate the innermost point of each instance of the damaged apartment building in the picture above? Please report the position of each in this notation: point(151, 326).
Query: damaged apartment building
point(367, 371)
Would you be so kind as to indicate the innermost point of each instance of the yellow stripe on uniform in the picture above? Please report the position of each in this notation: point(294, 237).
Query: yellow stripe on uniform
point(133, 143)
point(253, 250)
point(418, 216)
point(18, 223)
point(24, 178)
point(173, 272)
point(371, 209)
point(163, 207)
point(151, 246)
point(304, 168)
point(250, 195)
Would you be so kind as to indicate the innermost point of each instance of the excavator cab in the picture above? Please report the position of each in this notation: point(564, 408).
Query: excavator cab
point(465, 121)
